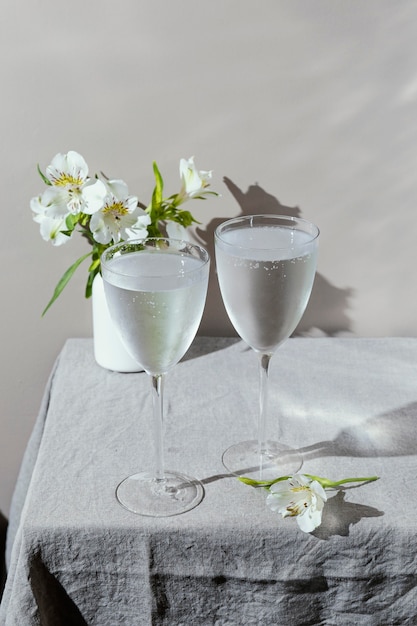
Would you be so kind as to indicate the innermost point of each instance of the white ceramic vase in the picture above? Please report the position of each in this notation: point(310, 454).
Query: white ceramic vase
point(109, 351)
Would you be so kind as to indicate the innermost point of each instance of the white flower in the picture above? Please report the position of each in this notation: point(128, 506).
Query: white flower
point(299, 496)
point(50, 227)
point(67, 169)
point(176, 231)
point(104, 212)
point(119, 217)
point(71, 191)
point(194, 182)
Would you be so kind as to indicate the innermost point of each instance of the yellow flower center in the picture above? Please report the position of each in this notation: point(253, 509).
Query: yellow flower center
point(295, 508)
point(298, 489)
point(65, 180)
point(117, 210)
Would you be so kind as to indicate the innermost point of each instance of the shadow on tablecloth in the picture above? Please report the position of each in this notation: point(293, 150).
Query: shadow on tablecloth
point(339, 515)
point(390, 434)
point(53, 602)
point(208, 345)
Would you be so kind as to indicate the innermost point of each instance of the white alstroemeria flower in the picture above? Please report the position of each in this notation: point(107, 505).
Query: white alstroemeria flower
point(139, 230)
point(194, 183)
point(120, 217)
point(301, 497)
point(176, 231)
point(67, 169)
point(118, 188)
point(103, 212)
point(71, 191)
point(50, 227)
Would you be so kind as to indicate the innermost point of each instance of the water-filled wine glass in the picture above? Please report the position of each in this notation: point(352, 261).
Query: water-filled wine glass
point(156, 291)
point(266, 266)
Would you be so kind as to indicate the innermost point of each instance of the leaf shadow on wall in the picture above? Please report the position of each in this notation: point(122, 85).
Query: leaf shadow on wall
point(327, 310)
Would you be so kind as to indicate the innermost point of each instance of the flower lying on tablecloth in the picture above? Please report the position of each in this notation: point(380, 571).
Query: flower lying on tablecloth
point(104, 211)
point(302, 496)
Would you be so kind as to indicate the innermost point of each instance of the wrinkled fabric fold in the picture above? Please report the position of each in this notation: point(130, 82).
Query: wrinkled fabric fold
point(349, 405)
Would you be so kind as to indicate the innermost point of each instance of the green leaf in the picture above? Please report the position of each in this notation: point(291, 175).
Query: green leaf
point(154, 231)
point(159, 186)
point(70, 221)
point(91, 276)
point(42, 175)
point(83, 219)
point(185, 218)
point(64, 280)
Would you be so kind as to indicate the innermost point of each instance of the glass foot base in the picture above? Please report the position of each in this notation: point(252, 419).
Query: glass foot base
point(243, 459)
point(143, 494)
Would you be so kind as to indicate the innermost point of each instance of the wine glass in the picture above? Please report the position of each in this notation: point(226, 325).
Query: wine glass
point(156, 291)
point(266, 266)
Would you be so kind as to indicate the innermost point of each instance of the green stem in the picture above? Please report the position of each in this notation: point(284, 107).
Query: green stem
point(261, 483)
point(324, 482)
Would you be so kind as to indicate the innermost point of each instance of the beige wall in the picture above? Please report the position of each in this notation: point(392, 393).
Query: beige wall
point(302, 106)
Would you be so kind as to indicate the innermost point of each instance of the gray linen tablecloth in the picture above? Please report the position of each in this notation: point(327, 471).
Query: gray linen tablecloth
point(79, 558)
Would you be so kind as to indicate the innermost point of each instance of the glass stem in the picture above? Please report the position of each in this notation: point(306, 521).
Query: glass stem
point(264, 360)
point(158, 424)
